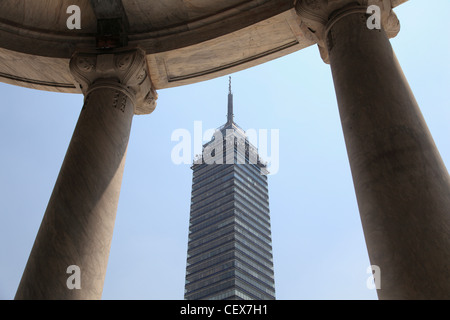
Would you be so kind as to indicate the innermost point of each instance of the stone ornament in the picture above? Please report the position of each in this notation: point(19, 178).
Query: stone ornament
point(122, 71)
point(318, 16)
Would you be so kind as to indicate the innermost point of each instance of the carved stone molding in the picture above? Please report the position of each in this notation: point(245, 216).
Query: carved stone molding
point(318, 16)
point(124, 71)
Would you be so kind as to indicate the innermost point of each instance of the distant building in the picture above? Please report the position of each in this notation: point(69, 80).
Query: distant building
point(230, 247)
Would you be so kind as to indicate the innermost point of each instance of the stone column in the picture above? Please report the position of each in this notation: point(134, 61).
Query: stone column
point(401, 183)
point(78, 224)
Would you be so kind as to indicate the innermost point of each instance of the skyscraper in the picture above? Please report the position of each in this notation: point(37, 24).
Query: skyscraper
point(230, 247)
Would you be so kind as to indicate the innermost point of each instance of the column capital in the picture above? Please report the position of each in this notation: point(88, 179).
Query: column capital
point(124, 70)
point(318, 16)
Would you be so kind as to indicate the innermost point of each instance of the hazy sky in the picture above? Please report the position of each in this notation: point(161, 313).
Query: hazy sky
point(318, 244)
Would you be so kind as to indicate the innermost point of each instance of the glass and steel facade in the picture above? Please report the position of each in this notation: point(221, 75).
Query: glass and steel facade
point(229, 248)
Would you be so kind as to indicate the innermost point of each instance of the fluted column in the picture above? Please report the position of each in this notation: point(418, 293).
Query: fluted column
point(78, 224)
point(401, 183)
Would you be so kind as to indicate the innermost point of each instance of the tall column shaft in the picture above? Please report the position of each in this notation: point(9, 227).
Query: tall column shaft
point(79, 221)
point(78, 224)
point(401, 183)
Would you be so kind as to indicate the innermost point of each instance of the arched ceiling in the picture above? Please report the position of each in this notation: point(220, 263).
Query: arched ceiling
point(186, 41)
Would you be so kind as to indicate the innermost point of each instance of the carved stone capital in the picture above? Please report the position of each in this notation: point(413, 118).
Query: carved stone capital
point(318, 16)
point(125, 71)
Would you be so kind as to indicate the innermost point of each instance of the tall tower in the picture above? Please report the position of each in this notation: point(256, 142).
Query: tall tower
point(230, 247)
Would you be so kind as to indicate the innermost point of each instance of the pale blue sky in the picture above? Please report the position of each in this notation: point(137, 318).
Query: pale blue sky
point(318, 244)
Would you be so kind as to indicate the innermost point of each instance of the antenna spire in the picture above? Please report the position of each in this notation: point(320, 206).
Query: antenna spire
point(230, 103)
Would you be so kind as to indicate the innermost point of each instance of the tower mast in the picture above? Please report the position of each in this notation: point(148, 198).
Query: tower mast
point(230, 114)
